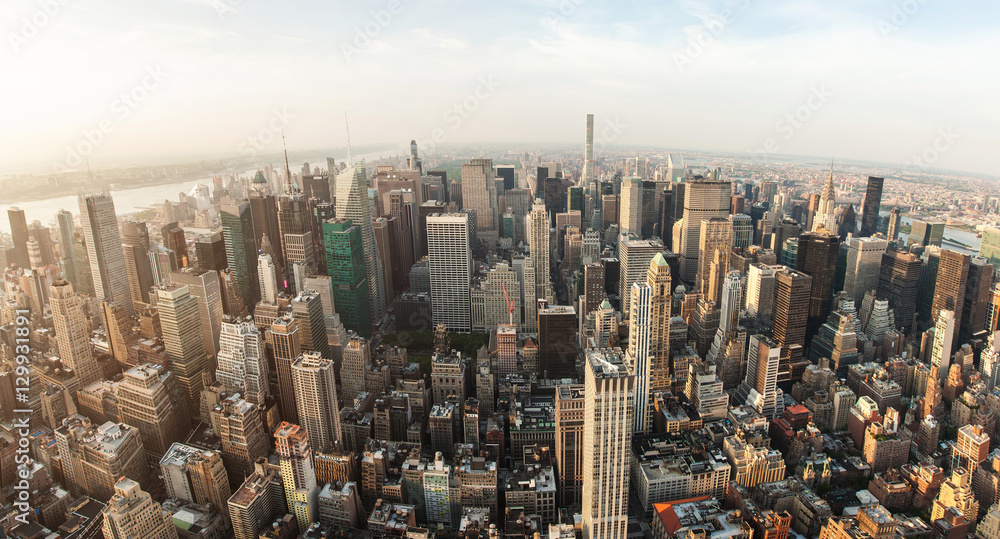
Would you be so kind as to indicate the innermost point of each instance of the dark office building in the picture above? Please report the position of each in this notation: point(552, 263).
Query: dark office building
point(949, 287)
point(509, 176)
point(792, 290)
point(872, 205)
point(211, 251)
point(557, 342)
point(19, 234)
point(444, 181)
point(555, 198)
point(977, 297)
point(317, 187)
point(173, 239)
point(264, 213)
point(817, 257)
point(899, 280)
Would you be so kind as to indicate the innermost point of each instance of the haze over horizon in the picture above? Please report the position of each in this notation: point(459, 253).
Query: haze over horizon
point(873, 80)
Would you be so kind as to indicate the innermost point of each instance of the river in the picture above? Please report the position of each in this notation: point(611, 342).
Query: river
point(139, 198)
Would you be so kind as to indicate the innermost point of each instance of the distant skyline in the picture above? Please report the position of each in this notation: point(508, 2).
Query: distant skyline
point(871, 80)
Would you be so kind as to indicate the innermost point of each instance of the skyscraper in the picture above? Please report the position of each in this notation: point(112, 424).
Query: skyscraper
point(242, 361)
point(131, 512)
point(283, 337)
point(297, 472)
point(316, 398)
point(538, 243)
point(714, 248)
point(872, 206)
point(634, 257)
point(196, 475)
point(148, 400)
point(825, 219)
point(19, 235)
point(971, 449)
point(450, 261)
point(760, 386)
point(950, 285)
point(630, 209)
point(135, 249)
point(267, 275)
point(703, 199)
point(242, 436)
point(182, 339)
point(760, 290)
point(817, 257)
point(67, 249)
point(241, 252)
point(95, 457)
point(899, 278)
point(977, 298)
point(479, 192)
point(205, 288)
point(72, 334)
point(609, 415)
point(345, 264)
point(944, 339)
point(864, 260)
point(557, 343)
point(792, 290)
point(307, 310)
point(895, 219)
point(588, 152)
point(648, 353)
point(352, 203)
point(104, 247)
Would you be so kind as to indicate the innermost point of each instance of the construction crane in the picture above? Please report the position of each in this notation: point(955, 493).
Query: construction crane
point(510, 306)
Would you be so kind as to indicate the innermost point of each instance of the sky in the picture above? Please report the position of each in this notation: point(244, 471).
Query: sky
point(908, 82)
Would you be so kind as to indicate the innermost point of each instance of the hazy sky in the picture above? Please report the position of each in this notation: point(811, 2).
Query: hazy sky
point(883, 78)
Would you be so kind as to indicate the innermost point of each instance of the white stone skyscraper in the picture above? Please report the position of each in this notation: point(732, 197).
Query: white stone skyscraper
point(316, 399)
point(760, 290)
point(630, 207)
point(268, 277)
point(182, 339)
point(825, 217)
point(588, 153)
point(352, 203)
point(729, 318)
point(703, 199)
point(104, 249)
point(944, 334)
point(864, 259)
point(242, 362)
point(450, 262)
point(538, 244)
point(72, 334)
point(637, 357)
point(297, 472)
point(760, 386)
point(609, 418)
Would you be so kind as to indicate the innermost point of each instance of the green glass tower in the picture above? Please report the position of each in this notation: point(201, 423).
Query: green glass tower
point(241, 250)
point(345, 264)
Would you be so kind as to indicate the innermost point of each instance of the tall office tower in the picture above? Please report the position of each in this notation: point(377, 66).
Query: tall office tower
point(357, 357)
point(715, 246)
point(864, 261)
point(345, 264)
point(899, 278)
point(450, 261)
point(19, 235)
point(135, 249)
point(104, 248)
point(607, 439)
point(609, 210)
point(479, 192)
point(729, 317)
point(255, 504)
point(204, 287)
point(971, 449)
point(352, 203)
point(588, 152)
point(267, 276)
point(131, 512)
point(295, 227)
point(630, 207)
point(537, 224)
point(951, 283)
point(760, 290)
point(649, 339)
point(760, 386)
point(241, 252)
point(264, 214)
point(703, 199)
point(307, 310)
point(992, 323)
point(502, 284)
point(792, 290)
point(895, 219)
point(384, 230)
point(210, 251)
point(925, 233)
point(242, 361)
point(148, 400)
point(944, 338)
point(173, 239)
point(825, 217)
point(72, 333)
point(872, 206)
point(120, 329)
point(283, 338)
point(634, 256)
point(94, 458)
point(506, 348)
point(315, 386)
point(196, 475)
point(977, 298)
point(182, 339)
point(593, 287)
point(295, 454)
point(67, 250)
point(742, 230)
point(637, 356)
point(817, 257)
point(242, 436)
point(557, 342)
point(570, 406)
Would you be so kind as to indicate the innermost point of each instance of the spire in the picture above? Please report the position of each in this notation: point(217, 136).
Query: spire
point(288, 171)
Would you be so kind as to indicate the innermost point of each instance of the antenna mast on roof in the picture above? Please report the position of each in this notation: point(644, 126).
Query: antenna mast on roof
point(288, 171)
